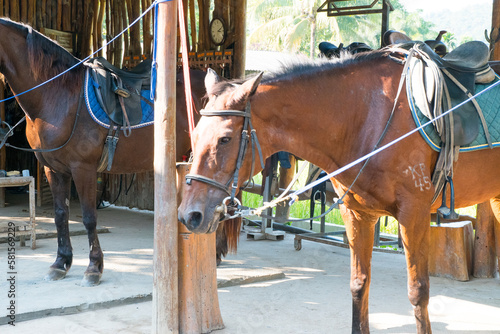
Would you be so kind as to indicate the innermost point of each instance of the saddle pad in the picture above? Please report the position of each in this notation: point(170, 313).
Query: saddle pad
point(490, 105)
point(99, 115)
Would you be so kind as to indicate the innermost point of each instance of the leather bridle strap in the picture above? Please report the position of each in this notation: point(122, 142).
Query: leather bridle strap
point(245, 138)
point(207, 180)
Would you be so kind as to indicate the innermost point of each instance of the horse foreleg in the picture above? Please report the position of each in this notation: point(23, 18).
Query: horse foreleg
point(360, 229)
point(86, 185)
point(415, 232)
point(60, 187)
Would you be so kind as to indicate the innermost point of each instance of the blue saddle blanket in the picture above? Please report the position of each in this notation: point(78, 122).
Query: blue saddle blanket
point(489, 102)
point(99, 115)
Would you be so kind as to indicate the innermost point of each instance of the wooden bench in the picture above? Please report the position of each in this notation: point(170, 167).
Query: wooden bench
point(19, 182)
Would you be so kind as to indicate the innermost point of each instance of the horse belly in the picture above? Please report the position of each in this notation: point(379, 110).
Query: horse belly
point(476, 177)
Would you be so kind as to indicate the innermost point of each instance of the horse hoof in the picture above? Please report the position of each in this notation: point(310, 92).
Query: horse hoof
point(55, 274)
point(90, 280)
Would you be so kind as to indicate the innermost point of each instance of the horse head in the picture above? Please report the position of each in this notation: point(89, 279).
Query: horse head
point(216, 141)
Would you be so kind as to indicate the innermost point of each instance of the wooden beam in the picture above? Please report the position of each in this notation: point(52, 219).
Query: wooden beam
point(240, 7)
point(165, 255)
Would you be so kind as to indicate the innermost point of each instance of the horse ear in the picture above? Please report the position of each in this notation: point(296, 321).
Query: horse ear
point(247, 89)
point(211, 79)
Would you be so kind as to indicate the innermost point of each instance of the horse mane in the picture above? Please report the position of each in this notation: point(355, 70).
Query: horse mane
point(305, 66)
point(46, 58)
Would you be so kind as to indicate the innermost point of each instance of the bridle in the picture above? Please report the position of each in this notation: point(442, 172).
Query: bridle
point(229, 189)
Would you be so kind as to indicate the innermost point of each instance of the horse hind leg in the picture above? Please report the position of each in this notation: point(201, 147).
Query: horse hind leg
point(60, 187)
point(86, 185)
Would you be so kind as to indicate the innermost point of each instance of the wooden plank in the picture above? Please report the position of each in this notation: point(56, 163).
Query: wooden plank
point(165, 256)
point(450, 253)
point(14, 10)
point(24, 11)
point(53, 18)
point(59, 15)
point(117, 28)
point(66, 16)
point(31, 13)
point(7, 8)
point(2, 8)
point(135, 30)
point(44, 13)
point(484, 242)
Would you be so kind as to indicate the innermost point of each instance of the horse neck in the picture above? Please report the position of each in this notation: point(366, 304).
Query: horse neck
point(15, 66)
point(322, 121)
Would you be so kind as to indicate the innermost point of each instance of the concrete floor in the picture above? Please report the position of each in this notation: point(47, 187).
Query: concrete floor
point(303, 291)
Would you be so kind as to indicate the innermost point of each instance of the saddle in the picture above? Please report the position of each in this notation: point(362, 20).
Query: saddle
point(436, 84)
point(119, 91)
point(330, 50)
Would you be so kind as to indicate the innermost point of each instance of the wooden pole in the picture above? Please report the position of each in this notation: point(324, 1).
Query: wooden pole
point(198, 300)
point(165, 256)
point(484, 242)
point(495, 31)
point(240, 7)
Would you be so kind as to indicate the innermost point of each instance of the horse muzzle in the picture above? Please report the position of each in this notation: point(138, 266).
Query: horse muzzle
point(196, 220)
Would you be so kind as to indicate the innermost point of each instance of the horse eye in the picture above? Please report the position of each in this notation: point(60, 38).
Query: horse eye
point(224, 140)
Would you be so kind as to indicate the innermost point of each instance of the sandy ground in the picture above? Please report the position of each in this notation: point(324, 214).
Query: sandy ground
point(312, 295)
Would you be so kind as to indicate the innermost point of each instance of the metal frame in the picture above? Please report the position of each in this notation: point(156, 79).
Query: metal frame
point(331, 8)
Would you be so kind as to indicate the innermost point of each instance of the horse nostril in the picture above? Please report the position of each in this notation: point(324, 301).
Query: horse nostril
point(194, 219)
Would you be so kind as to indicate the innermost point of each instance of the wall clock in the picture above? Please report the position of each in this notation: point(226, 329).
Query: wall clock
point(217, 31)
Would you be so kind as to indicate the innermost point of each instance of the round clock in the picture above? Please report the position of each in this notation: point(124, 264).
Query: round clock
point(217, 31)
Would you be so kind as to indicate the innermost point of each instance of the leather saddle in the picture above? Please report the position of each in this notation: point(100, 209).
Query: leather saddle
point(457, 73)
point(437, 84)
point(330, 50)
point(119, 91)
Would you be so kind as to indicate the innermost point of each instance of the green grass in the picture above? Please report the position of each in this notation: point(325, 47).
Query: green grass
point(300, 209)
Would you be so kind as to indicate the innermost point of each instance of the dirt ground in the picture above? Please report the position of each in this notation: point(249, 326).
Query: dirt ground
point(303, 291)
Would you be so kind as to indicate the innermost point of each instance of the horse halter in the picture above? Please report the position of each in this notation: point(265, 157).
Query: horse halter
point(247, 126)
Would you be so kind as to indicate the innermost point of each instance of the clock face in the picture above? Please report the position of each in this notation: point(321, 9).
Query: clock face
point(217, 31)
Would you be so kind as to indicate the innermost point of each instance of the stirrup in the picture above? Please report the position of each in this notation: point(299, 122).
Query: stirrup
point(444, 211)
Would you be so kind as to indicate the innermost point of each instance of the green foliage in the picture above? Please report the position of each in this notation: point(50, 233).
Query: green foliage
point(289, 26)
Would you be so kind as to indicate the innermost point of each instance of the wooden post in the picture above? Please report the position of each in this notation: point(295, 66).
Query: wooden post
point(451, 250)
point(240, 7)
point(484, 242)
point(286, 176)
point(165, 256)
point(495, 31)
point(198, 300)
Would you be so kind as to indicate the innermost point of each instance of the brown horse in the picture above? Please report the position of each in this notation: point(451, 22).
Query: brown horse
point(51, 115)
point(332, 113)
